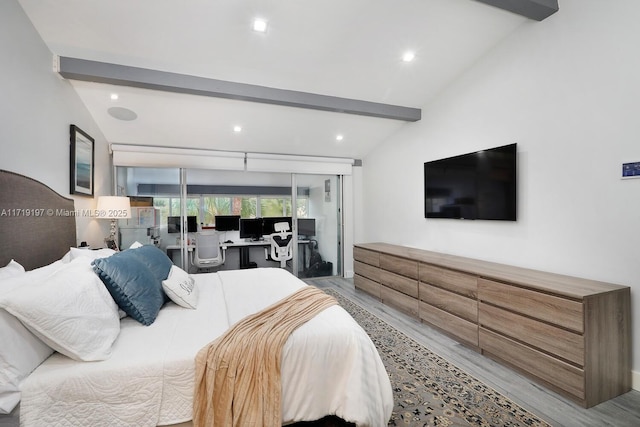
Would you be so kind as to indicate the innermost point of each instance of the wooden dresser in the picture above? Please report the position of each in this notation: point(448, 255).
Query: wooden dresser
point(572, 335)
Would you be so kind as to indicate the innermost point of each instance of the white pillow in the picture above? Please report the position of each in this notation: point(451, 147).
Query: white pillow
point(70, 310)
point(181, 288)
point(20, 351)
point(135, 245)
point(90, 253)
point(12, 269)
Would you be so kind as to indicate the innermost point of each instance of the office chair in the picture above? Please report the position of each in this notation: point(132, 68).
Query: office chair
point(207, 253)
point(281, 243)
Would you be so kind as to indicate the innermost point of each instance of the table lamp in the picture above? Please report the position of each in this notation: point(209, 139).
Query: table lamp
point(113, 208)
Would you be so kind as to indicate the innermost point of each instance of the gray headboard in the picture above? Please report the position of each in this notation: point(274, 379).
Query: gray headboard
point(34, 229)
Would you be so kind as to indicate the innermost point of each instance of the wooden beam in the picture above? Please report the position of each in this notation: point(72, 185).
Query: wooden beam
point(102, 72)
point(532, 9)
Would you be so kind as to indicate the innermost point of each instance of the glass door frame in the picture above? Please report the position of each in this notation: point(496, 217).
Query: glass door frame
point(339, 222)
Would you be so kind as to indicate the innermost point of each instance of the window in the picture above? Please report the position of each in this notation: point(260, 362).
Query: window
point(281, 206)
point(170, 206)
point(275, 206)
point(228, 205)
point(207, 206)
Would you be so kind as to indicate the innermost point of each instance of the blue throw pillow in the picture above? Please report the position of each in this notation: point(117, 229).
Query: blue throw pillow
point(132, 285)
point(155, 259)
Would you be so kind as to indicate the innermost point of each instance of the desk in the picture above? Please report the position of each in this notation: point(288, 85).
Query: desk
point(245, 243)
point(243, 247)
point(172, 248)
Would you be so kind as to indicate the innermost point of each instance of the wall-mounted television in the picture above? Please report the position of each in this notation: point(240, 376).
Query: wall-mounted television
point(480, 185)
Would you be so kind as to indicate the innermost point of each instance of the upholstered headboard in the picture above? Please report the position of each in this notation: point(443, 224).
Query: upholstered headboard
point(37, 225)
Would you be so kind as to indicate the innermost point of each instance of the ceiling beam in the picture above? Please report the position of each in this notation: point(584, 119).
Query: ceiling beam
point(122, 75)
point(532, 9)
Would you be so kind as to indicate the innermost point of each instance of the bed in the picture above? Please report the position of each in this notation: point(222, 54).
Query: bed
point(329, 364)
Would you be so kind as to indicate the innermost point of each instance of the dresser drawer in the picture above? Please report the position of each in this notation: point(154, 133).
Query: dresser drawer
point(366, 270)
point(398, 265)
point(459, 305)
point(367, 285)
point(462, 329)
point(563, 312)
point(366, 256)
point(399, 283)
point(399, 300)
point(561, 375)
point(559, 342)
point(462, 283)
point(572, 334)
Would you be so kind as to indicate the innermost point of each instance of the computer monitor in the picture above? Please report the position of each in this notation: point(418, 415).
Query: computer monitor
point(268, 222)
point(227, 222)
point(173, 224)
point(251, 228)
point(306, 227)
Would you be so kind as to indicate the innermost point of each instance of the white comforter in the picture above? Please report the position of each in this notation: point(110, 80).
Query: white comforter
point(329, 365)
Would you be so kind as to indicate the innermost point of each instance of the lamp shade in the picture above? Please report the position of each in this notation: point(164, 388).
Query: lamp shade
point(114, 207)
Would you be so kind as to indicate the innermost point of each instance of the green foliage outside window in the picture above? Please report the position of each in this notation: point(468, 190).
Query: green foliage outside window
point(233, 205)
point(170, 206)
point(245, 206)
point(270, 207)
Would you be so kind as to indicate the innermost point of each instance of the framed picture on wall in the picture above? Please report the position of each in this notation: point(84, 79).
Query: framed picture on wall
point(81, 162)
point(146, 217)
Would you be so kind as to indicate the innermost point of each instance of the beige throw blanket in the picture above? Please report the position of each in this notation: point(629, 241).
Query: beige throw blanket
point(237, 380)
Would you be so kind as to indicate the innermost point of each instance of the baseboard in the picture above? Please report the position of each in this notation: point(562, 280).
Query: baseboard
point(635, 380)
point(348, 274)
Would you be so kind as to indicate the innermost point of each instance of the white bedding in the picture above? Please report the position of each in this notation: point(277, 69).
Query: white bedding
point(329, 365)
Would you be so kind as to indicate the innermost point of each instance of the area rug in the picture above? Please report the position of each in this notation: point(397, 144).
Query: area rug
point(427, 389)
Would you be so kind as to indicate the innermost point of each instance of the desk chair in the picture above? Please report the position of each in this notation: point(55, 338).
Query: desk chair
point(207, 253)
point(281, 243)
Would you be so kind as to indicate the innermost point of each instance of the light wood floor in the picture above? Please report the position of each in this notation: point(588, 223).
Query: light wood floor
point(556, 410)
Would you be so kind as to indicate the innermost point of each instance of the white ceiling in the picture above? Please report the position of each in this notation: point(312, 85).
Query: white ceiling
point(343, 48)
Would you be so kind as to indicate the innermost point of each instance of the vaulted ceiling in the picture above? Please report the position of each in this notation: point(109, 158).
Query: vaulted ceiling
point(188, 73)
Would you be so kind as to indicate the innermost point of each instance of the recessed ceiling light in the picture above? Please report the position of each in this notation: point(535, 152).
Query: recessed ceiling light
point(237, 129)
point(260, 25)
point(339, 137)
point(114, 96)
point(408, 56)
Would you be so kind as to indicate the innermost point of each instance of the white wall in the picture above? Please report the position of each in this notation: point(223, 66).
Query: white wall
point(36, 109)
point(567, 90)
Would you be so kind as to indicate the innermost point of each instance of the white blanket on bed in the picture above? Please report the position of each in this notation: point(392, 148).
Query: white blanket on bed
point(329, 365)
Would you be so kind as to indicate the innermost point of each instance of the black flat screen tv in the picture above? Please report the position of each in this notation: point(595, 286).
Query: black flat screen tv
point(480, 185)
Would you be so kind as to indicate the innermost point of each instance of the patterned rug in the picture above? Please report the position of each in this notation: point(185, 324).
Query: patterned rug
point(430, 391)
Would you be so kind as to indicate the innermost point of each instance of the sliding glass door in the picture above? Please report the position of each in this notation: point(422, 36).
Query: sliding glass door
point(159, 211)
point(170, 205)
point(318, 251)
